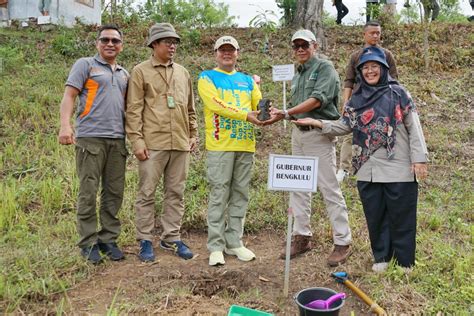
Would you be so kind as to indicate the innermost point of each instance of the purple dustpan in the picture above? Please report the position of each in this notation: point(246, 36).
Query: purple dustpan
point(325, 304)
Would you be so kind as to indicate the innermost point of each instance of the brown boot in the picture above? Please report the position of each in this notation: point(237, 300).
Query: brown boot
point(299, 244)
point(339, 255)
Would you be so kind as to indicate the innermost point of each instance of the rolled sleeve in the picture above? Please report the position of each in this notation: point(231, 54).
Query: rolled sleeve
point(326, 85)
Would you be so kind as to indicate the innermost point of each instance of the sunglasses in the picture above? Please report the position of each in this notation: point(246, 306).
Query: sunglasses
point(169, 42)
point(106, 40)
point(298, 46)
point(226, 49)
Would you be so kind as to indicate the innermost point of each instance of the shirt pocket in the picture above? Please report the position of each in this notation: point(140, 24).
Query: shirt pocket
point(181, 94)
point(309, 87)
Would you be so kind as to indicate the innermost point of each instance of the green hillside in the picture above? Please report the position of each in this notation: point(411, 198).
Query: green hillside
point(39, 261)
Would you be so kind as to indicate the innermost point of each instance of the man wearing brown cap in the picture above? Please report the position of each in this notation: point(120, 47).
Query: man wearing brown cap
point(161, 125)
point(230, 101)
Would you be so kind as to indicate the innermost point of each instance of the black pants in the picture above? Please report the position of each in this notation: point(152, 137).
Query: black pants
point(341, 10)
point(390, 212)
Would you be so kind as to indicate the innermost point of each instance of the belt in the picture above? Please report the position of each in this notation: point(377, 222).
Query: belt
point(305, 128)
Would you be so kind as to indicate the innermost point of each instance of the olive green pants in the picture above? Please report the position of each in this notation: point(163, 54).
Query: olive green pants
point(99, 162)
point(229, 175)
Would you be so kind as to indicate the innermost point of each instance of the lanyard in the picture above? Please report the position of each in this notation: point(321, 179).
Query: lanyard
point(165, 79)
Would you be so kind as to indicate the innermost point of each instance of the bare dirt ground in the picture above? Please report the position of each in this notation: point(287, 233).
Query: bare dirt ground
point(172, 286)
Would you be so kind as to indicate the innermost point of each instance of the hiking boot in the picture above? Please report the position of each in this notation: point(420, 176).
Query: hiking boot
point(178, 247)
point(299, 244)
point(146, 253)
point(91, 253)
point(216, 258)
point(242, 253)
point(111, 250)
point(339, 255)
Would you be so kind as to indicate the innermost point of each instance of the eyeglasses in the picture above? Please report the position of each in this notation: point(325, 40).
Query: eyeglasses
point(106, 40)
point(169, 42)
point(371, 68)
point(226, 49)
point(298, 46)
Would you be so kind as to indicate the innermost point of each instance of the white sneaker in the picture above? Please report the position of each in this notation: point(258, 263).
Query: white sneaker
point(380, 267)
point(242, 253)
point(216, 258)
point(341, 174)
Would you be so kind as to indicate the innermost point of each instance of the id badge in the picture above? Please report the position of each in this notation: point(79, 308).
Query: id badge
point(170, 100)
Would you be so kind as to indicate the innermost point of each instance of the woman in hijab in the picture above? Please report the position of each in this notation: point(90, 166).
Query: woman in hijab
point(389, 156)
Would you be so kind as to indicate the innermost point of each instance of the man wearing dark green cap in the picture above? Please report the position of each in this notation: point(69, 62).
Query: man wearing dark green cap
point(161, 125)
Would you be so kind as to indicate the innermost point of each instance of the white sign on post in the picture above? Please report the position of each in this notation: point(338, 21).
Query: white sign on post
point(292, 173)
point(283, 72)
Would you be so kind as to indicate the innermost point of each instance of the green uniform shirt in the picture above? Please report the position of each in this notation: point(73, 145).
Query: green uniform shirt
point(316, 78)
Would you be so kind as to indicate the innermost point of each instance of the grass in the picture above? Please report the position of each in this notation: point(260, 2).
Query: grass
point(38, 185)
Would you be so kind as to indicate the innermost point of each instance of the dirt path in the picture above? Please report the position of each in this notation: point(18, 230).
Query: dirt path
point(172, 286)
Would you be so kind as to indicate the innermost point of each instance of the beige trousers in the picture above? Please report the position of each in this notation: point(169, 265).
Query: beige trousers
point(173, 166)
point(345, 159)
point(313, 143)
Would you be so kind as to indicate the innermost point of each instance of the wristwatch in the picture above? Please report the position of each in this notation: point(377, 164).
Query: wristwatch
point(287, 115)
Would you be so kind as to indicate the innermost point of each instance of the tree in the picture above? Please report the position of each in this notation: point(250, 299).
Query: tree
point(289, 9)
point(309, 15)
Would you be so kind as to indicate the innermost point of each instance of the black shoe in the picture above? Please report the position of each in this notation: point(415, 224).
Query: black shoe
point(92, 254)
point(111, 250)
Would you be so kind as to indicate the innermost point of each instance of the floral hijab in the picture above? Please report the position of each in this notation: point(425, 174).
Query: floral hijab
point(374, 112)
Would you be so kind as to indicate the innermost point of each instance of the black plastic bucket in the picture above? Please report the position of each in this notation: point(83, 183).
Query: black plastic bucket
point(317, 293)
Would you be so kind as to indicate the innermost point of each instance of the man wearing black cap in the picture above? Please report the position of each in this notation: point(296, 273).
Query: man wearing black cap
point(161, 125)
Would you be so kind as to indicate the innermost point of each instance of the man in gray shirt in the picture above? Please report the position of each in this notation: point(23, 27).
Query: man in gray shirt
point(101, 84)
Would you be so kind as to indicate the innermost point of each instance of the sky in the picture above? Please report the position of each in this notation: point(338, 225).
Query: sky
point(246, 10)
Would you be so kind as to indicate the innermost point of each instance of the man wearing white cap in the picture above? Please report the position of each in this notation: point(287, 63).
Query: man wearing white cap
point(162, 127)
point(315, 94)
point(230, 101)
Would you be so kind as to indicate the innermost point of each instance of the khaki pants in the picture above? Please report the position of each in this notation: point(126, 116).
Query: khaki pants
point(173, 166)
point(345, 159)
point(229, 175)
point(313, 143)
point(99, 162)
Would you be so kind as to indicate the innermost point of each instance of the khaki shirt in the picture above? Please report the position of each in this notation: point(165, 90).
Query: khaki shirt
point(410, 148)
point(150, 123)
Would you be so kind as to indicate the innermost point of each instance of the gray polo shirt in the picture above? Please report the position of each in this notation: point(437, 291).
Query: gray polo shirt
point(101, 110)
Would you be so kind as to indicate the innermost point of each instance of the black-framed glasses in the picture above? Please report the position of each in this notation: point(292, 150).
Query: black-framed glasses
point(169, 42)
point(106, 40)
point(304, 46)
